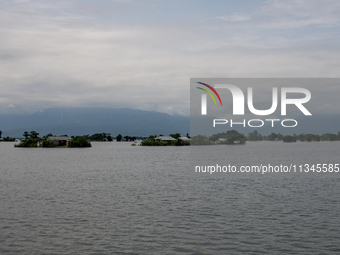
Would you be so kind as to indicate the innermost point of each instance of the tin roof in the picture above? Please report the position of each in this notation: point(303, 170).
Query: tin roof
point(184, 138)
point(58, 138)
point(165, 138)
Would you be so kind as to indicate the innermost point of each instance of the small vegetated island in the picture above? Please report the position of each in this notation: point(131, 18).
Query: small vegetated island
point(171, 140)
point(232, 137)
point(255, 136)
point(49, 141)
point(6, 139)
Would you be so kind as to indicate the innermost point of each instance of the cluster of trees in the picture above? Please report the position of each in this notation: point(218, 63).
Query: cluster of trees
point(312, 137)
point(32, 140)
point(255, 136)
point(201, 140)
point(125, 138)
point(330, 137)
point(178, 142)
point(109, 138)
point(78, 141)
point(7, 139)
point(99, 137)
point(233, 137)
point(230, 137)
point(32, 134)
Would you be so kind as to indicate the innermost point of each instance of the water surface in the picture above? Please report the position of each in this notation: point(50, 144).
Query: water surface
point(115, 198)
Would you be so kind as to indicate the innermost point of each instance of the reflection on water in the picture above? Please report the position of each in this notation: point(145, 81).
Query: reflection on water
point(115, 198)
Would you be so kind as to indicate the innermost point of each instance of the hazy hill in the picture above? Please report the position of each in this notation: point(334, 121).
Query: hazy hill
point(81, 121)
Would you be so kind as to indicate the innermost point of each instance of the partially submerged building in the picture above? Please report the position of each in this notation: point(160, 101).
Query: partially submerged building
point(221, 140)
point(167, 139)
point(185, 139)
point(59, 141)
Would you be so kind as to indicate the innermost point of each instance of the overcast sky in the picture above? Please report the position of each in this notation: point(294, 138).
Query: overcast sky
point(142, 54)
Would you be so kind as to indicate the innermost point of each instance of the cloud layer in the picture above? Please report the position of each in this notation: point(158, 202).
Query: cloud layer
point(142, 55)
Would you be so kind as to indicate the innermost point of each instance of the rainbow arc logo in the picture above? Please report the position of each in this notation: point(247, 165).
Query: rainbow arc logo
point(209, 93)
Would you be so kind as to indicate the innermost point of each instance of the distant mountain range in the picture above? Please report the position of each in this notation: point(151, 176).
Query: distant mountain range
point(82, 121)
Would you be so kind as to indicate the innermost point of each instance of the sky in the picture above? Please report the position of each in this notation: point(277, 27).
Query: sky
point(142, 54)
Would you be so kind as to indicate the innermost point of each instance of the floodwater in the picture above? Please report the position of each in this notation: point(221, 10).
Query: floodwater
point(115, 198)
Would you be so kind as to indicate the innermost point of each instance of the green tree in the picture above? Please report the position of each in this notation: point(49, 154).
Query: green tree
point(79, 141)
point(176, 136)
point(26, 134)
point(47, 143)
point(233, 136)
point(272, 137)
point(109, 138)
point(179, 142)
point(215, 137)
point(150, 142)
point(200, 140)
point(254, 136)
point(97, 137)
point(309, 137)
point(0, 133)
point(289, 139)
point(34, 134)
point(28, 143)
point(119, 138)
point(9, 139)
point(301, 137)
point(328, 137)
point(129, 138)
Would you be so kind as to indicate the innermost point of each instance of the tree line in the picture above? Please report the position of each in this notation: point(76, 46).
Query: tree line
point(32, 140)
point(108, 137)
point(231, 137)
point(234, 137)
point(150, 141)
point(7, 139)
point(255, 136)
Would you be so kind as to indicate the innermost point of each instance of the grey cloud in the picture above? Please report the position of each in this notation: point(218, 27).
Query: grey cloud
point(71, 60)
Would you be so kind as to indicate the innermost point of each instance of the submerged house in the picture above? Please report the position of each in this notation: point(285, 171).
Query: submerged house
point(167, 139)
point(221, 140)
point(59, 141)
point(185, 139)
